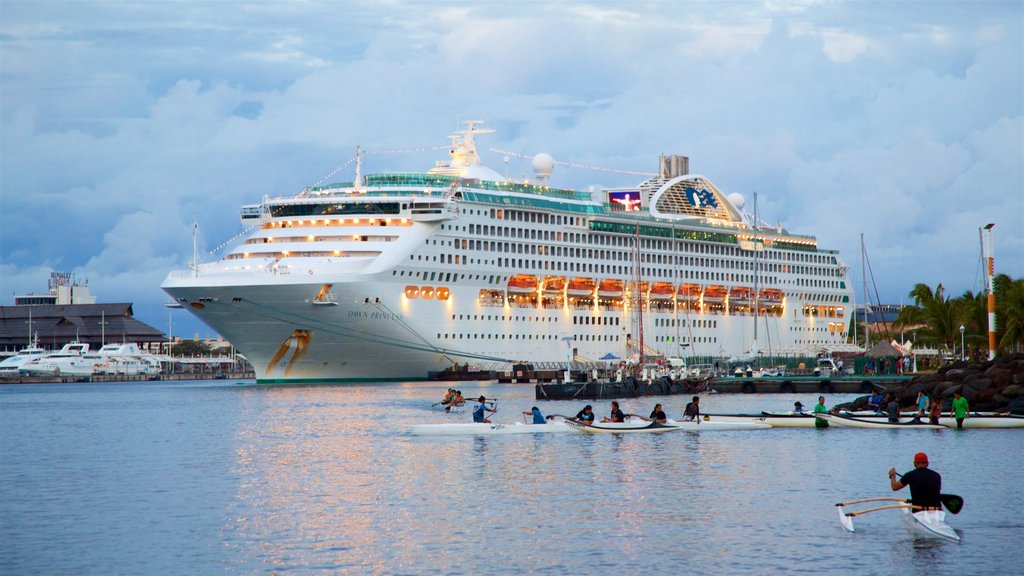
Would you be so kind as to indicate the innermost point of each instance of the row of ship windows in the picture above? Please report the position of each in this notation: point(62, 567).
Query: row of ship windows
point(333, 222)
point(312, 238)
point(618, 240)
point(576, 337)
point(492, 247)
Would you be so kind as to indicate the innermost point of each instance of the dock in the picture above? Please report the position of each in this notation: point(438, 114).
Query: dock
point(631, 388)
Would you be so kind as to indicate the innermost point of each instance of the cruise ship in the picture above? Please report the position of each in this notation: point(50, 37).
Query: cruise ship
point(393, 275)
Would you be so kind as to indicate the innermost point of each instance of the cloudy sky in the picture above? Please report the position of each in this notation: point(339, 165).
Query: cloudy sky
point(122, 123)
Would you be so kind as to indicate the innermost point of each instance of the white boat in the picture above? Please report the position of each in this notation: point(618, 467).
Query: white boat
point(73, 360)
point(856, 422)
point(476, 429)
point(929, 523)
point(447, 265)
point(983, 420)
point(925, 522)
point(10, 366)
point(641, 425)
point(773, 419)
point(126, 359)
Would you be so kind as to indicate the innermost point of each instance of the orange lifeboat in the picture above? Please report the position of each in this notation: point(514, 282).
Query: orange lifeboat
point(554, 285)
point(663, 291)
point(581, 287)
point(610, 289)
point(714, 294)
point(740, 296)
point(522, 284)
point(689, 292)
point(772, 296)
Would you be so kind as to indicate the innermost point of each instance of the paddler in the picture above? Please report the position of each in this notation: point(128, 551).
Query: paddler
point(692, 411)
point(658, 415)
point(616, 414)
point(538, 418)
point(925, 484)
point(586, 415)
point(479, 411)
point(798, 408)
point(820, 408)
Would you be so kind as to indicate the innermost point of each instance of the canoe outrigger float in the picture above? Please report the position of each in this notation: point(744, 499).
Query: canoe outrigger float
point(926, 522)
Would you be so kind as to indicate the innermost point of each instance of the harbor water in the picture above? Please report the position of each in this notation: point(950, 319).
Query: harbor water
point(225, 477)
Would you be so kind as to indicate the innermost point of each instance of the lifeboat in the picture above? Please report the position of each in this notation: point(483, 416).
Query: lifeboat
point(610, 289)
point(772, 296)
point(714, 294)
point(522, 284)
point(581, 287)
point(689, 292)
point(740, 296)
point(662, 291)
point(554, 285)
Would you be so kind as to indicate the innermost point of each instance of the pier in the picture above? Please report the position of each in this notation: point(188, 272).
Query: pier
point(177, 376)
point(632, 388)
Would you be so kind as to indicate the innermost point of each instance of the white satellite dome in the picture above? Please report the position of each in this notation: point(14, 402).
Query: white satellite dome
point(543, 165)
point(481, 172)
point(737, 200)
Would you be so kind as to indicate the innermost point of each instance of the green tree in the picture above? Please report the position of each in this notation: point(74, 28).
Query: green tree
point(1010, 315)
point(190, 348)
point(937, 314)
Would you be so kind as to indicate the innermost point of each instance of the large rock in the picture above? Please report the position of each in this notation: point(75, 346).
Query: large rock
point(1013, 391)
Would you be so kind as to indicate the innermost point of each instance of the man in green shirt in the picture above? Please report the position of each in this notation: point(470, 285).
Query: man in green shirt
point(819, 408)
point(959, 409)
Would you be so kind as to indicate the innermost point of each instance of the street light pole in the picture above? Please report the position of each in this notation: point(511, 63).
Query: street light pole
point(963, 352)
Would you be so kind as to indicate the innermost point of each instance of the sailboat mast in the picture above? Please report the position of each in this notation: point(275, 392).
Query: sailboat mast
point(756, 273)
point(864, 276)
point(639, 300)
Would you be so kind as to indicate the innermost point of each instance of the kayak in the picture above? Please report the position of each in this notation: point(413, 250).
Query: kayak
point(930, 523)
point(477, 429)
point(635, 425)
point(852, 422)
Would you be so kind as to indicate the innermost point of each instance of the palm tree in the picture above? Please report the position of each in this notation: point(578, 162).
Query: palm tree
point(937, 316)
point(972, 309)
point(1010, 315)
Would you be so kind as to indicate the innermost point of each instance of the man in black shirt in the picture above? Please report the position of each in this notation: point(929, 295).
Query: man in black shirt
point(616, 414)
point(925, 484)
point(692, 410)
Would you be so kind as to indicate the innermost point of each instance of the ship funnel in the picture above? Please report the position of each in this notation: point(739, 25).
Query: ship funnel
point(674, 165)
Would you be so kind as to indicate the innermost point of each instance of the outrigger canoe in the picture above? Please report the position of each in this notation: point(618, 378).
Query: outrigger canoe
point(773, 419)
point(975, 419)
point(640, 425)
point(925, 522)
point(477, 429)
point(858, 422)
point(930, 523)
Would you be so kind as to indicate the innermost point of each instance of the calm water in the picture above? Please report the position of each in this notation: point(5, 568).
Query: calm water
point(215, 477)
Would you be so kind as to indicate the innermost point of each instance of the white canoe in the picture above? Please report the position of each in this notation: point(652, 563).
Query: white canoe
point(773, 419)
point(930, 523)
point(638, 425)
point(476, 429)
point(975, 419)
point(852, 422)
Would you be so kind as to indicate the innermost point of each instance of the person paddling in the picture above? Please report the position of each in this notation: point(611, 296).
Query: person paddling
point(586, 415)
point(658, 415)
point(479, 411)
point(692, 411)
point(538, 418)
point(925, 484)
point(616, 414)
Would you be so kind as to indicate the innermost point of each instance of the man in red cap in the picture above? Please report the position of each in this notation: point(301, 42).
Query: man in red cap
point(925, 484)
